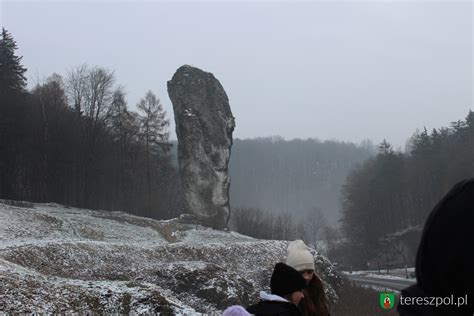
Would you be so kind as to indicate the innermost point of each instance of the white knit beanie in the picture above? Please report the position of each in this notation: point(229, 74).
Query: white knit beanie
point(299, 256)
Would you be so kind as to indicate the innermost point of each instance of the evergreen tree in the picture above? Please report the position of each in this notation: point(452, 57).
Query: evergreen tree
point(124, 130)
point(153, 123)
point(12, 78)
point(154, 136)
point(385, 148)
point(13, 116)
point(395, 191)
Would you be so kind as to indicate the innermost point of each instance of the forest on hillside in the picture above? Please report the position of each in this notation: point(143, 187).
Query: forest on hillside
point(73, 140)
point(395, 191)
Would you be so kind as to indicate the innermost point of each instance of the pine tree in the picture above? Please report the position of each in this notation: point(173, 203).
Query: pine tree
point(385, 148)
point(154, 135)
point(12, 78)
point(153, 123)
point(12, 117)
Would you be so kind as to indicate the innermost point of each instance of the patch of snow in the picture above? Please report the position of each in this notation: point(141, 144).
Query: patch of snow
point(59, 259)
point(395, 274)
point(189, 113)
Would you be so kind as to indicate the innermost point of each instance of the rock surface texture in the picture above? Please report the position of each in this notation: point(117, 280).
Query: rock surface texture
point(56, 259)
point(204, 126)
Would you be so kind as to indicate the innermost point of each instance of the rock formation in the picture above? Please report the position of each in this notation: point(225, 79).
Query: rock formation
point(204, 125)
point(60, 259)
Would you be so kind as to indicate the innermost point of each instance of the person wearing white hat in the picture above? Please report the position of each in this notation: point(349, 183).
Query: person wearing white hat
point(300, 258)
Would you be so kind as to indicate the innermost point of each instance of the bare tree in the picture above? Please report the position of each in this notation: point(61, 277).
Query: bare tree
point(315, 222)
point(331, 236)
point(90, 90)
point(76, 87)
point(285, 220)
point(90, 93)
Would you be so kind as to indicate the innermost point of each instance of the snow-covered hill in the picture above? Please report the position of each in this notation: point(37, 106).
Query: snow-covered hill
point(55, 258)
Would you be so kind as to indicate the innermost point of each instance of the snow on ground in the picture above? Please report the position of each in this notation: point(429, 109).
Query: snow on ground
point(47, 223)
point(380, 276)
point(389, 277)
point(208, 235)
point(379, 289)
point(394, 274)
point(59, 259)
point(417, 228)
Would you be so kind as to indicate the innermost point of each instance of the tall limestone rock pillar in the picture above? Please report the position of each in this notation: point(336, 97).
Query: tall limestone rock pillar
point(204, 125)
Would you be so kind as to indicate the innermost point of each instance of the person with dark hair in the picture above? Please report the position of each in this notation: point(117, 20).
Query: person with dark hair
point(315, 302)
point(286, 286)
point(445, 259)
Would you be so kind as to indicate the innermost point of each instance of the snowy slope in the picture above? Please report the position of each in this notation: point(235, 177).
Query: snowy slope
point(56, 258)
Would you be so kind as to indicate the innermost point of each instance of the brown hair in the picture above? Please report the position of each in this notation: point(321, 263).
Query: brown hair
point(315, 302)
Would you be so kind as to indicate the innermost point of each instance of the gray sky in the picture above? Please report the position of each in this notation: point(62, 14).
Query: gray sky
point(346, 70)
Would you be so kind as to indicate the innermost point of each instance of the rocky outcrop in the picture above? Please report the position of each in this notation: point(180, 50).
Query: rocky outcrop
point(204, 125)
point(56, 259)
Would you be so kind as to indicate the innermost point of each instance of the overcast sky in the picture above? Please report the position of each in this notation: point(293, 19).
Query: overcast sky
point(347, 70)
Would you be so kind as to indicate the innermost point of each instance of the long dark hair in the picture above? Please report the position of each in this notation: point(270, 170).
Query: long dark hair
point(315, 302)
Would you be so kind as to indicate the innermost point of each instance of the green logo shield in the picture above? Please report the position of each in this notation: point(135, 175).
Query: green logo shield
point(387, 300)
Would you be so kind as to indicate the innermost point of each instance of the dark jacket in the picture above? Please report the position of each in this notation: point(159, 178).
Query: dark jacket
point(267, 308)
point(445, 257)
point(272, 305)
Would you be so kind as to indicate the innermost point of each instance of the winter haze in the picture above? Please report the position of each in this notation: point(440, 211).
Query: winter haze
point(330, 70)
point(353, 120)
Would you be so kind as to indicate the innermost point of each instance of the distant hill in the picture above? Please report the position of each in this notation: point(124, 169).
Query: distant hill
point(297, 175)
point(58, 259)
